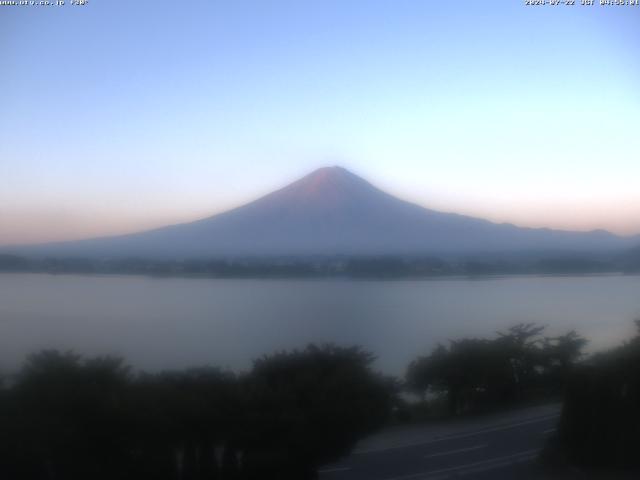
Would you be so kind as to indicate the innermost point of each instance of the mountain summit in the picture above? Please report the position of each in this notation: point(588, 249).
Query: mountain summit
point(326, 181)
point(333, 211)
point(326, 189)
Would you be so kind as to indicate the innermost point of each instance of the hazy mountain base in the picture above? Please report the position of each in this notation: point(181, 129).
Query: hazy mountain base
point(336, 266)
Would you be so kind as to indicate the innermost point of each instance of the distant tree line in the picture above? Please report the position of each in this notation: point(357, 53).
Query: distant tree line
point(382, 266)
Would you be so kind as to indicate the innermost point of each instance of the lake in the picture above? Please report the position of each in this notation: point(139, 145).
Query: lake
point(161, 323)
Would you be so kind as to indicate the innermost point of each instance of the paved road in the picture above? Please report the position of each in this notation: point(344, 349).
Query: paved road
point(497, 447)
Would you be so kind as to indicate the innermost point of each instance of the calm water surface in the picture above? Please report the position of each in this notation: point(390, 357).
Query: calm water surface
point(161, 323)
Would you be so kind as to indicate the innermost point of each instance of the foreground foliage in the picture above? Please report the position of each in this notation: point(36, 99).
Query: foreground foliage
point(65, 417)
point(479, 374)
point(600, 423)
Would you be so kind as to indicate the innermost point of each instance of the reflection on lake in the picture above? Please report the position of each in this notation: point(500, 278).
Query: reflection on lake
point(160, 323)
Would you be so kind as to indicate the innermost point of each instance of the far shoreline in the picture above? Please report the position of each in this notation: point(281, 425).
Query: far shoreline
point(329, 277)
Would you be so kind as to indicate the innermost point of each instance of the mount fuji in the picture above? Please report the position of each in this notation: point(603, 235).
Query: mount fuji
point(332, 211)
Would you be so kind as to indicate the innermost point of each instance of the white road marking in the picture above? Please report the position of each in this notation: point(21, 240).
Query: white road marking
point(483, 465)
point(460, 435)
point(459, 450)
point(547, 432)
point(333, 470)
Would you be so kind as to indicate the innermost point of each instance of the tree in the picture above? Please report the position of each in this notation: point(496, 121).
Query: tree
point(476, 374)
point(600, 421)
point(309, 407)
point(67, 417)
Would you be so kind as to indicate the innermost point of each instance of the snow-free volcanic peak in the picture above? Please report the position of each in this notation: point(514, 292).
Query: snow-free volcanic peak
point(332, 211)
point(326, 184)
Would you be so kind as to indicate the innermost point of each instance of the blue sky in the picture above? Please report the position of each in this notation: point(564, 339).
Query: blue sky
point(119, 116)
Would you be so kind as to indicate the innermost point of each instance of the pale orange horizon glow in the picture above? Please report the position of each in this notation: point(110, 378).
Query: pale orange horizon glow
point(39, 225)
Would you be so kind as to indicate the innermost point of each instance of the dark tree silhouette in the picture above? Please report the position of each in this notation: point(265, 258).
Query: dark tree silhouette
point(479, 374)
point(65, 419)
point(600, 422)
point(68, 418)
point(310, 407)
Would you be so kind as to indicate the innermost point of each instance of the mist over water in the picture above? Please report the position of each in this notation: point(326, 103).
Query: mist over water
point(167, 323)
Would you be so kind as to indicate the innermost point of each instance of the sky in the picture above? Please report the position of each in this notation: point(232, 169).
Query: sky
point(121, 116)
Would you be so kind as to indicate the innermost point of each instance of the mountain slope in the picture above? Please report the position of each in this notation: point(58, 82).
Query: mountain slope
point(332, 211)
